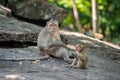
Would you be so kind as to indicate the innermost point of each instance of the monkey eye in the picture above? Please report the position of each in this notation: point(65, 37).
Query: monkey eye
point(55, 24)
point(50, 25)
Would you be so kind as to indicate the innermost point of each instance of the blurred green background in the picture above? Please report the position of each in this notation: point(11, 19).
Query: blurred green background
point(108, 13)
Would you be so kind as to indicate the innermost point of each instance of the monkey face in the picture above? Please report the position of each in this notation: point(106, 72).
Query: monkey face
point(52, 27)
point(79, 47)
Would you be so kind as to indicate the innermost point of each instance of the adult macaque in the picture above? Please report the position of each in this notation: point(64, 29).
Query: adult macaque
point(81, 57)
point(87, 31)
point(49, 41)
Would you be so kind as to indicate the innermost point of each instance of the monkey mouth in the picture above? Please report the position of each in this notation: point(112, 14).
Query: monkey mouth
point(52, 31)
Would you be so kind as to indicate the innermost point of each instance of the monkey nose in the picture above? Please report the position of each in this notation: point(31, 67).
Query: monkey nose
point(52, 30)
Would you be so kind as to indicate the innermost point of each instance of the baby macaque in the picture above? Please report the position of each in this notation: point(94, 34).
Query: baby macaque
point(81, 57)
point(49, 41)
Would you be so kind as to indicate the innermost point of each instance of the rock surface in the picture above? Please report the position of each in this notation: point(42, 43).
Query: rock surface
point(102, 65)
point(36, 10)
point(14, 30)
point(104, 57)
point(5, 11)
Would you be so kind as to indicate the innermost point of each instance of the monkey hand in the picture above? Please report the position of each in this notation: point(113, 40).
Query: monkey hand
point(57, 44)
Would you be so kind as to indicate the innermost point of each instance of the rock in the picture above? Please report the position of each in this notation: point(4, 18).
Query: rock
point(14, 33)
point(36, 10)
point(23, 53)
point(14, 30)
point(98, 67)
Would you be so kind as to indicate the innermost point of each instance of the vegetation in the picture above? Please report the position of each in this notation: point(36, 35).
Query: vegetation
point(108, 13)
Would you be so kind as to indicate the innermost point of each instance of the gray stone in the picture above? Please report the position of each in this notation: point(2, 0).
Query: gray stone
point(14, 30)
point(99, 67)
point(104, 58)
point(36, 9)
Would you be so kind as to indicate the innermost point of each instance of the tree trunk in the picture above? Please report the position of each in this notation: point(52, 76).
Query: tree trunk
point(75, 13)
point(94, 16)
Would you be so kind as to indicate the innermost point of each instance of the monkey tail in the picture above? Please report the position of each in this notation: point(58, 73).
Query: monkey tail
point(23, 59)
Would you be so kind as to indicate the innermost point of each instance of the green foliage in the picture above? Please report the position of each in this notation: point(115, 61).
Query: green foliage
point(109, 14)
point(84, 9)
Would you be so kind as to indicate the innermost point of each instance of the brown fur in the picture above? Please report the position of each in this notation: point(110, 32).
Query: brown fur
point(81, 57)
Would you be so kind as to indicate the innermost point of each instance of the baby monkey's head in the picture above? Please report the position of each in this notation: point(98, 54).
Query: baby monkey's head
point(79, 47)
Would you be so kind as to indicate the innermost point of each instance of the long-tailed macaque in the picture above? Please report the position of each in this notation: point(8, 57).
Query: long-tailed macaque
point(81, 57)
point(49, 41)
point(87, 31)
